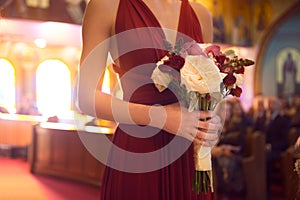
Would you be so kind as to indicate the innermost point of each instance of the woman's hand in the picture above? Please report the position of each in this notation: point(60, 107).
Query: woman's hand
point(225, 150)
point(201, 127)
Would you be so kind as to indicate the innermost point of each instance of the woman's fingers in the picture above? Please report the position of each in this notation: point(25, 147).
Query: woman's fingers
point(206, 136)
point(203, 138)
point(212, 125)
point(201, 127)
point(209, 127)
point(208, 143)
point(207, 133)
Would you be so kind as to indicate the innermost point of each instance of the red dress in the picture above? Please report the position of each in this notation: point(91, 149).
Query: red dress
point(146, 163)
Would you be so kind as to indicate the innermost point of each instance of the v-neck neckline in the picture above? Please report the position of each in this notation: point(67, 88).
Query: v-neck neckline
point(159, 24)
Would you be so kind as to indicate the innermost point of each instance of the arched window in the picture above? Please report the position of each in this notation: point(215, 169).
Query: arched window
point(53, 87)
point(7, 86)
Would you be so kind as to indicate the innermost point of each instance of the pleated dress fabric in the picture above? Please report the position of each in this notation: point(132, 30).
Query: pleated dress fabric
point(147, 163)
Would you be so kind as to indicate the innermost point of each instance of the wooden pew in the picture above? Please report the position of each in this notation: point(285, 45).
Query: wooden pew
point(254, 167)
point(291, 181)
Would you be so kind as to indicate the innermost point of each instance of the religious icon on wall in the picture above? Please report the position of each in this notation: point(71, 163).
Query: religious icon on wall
point(288, 72)
point(219, 25)
point(263, 15)
point(241, 34)
point(231, 25)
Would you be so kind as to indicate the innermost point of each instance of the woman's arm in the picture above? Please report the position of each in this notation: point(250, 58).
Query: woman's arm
point(98, 27)
point(97, 30)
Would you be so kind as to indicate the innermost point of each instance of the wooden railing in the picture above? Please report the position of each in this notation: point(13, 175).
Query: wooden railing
point(16, 130)
point(58, 150)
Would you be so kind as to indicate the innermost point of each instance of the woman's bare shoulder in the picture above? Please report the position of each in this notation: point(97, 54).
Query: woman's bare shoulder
point(98, 23)
point(205, 19)
point(199, 8)
point(102, 9)
point(104, 4)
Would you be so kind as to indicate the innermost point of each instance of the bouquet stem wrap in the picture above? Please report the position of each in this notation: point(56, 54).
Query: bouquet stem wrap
point(203, 180)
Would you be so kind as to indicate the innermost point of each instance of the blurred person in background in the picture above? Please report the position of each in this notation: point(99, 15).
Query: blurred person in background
point(276, 132)
point(227, 154)
point(258, 114)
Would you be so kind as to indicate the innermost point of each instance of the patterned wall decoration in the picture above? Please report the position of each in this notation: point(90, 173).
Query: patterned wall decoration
point(243, 22)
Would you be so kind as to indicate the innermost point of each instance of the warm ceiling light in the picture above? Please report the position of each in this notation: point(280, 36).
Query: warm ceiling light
point(40, 43)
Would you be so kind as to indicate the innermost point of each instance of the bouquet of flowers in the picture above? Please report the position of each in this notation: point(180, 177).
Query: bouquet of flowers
point(201, 75)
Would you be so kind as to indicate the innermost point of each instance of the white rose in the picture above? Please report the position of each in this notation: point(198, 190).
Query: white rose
point(200, 74)
point(161, 79)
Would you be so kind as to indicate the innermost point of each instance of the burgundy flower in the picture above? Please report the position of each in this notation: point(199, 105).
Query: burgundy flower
point(221, 58)
point(213, 49)
point(221, 68)
point(176, 62)
point(229, 80)
point(227, 70)
point(237, 91)
point(240, 70)
point(208, 97)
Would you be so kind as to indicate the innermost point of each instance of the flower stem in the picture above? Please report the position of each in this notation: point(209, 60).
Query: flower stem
point(202, 182)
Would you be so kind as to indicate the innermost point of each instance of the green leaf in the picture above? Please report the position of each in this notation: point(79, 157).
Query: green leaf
point(167, 45)
point(178, 46)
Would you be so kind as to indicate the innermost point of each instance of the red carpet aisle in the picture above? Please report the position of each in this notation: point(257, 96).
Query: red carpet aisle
point(17, 183)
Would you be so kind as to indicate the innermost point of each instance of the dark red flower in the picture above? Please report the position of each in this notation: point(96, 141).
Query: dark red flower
point(221, 58)
point(176, 62)
point(227, 70)
point(237, 91)
point(240, 70)
point(229, 80)
point(213, 49)
point(208, 97)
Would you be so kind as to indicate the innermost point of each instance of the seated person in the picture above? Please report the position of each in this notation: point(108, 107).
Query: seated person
point(276, 138)
point(227, 154)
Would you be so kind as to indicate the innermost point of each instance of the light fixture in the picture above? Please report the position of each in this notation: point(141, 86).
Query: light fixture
point(40, 43)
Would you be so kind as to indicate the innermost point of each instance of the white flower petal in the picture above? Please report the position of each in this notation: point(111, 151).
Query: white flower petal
point(200, 74)
point(160, 79)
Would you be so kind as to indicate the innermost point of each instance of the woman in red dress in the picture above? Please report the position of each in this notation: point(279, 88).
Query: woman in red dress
point(152, 153)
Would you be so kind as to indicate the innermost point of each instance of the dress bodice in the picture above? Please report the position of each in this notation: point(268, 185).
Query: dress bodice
point(139, 39)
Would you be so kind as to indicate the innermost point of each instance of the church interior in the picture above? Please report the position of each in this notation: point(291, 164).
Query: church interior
point(45, 138)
